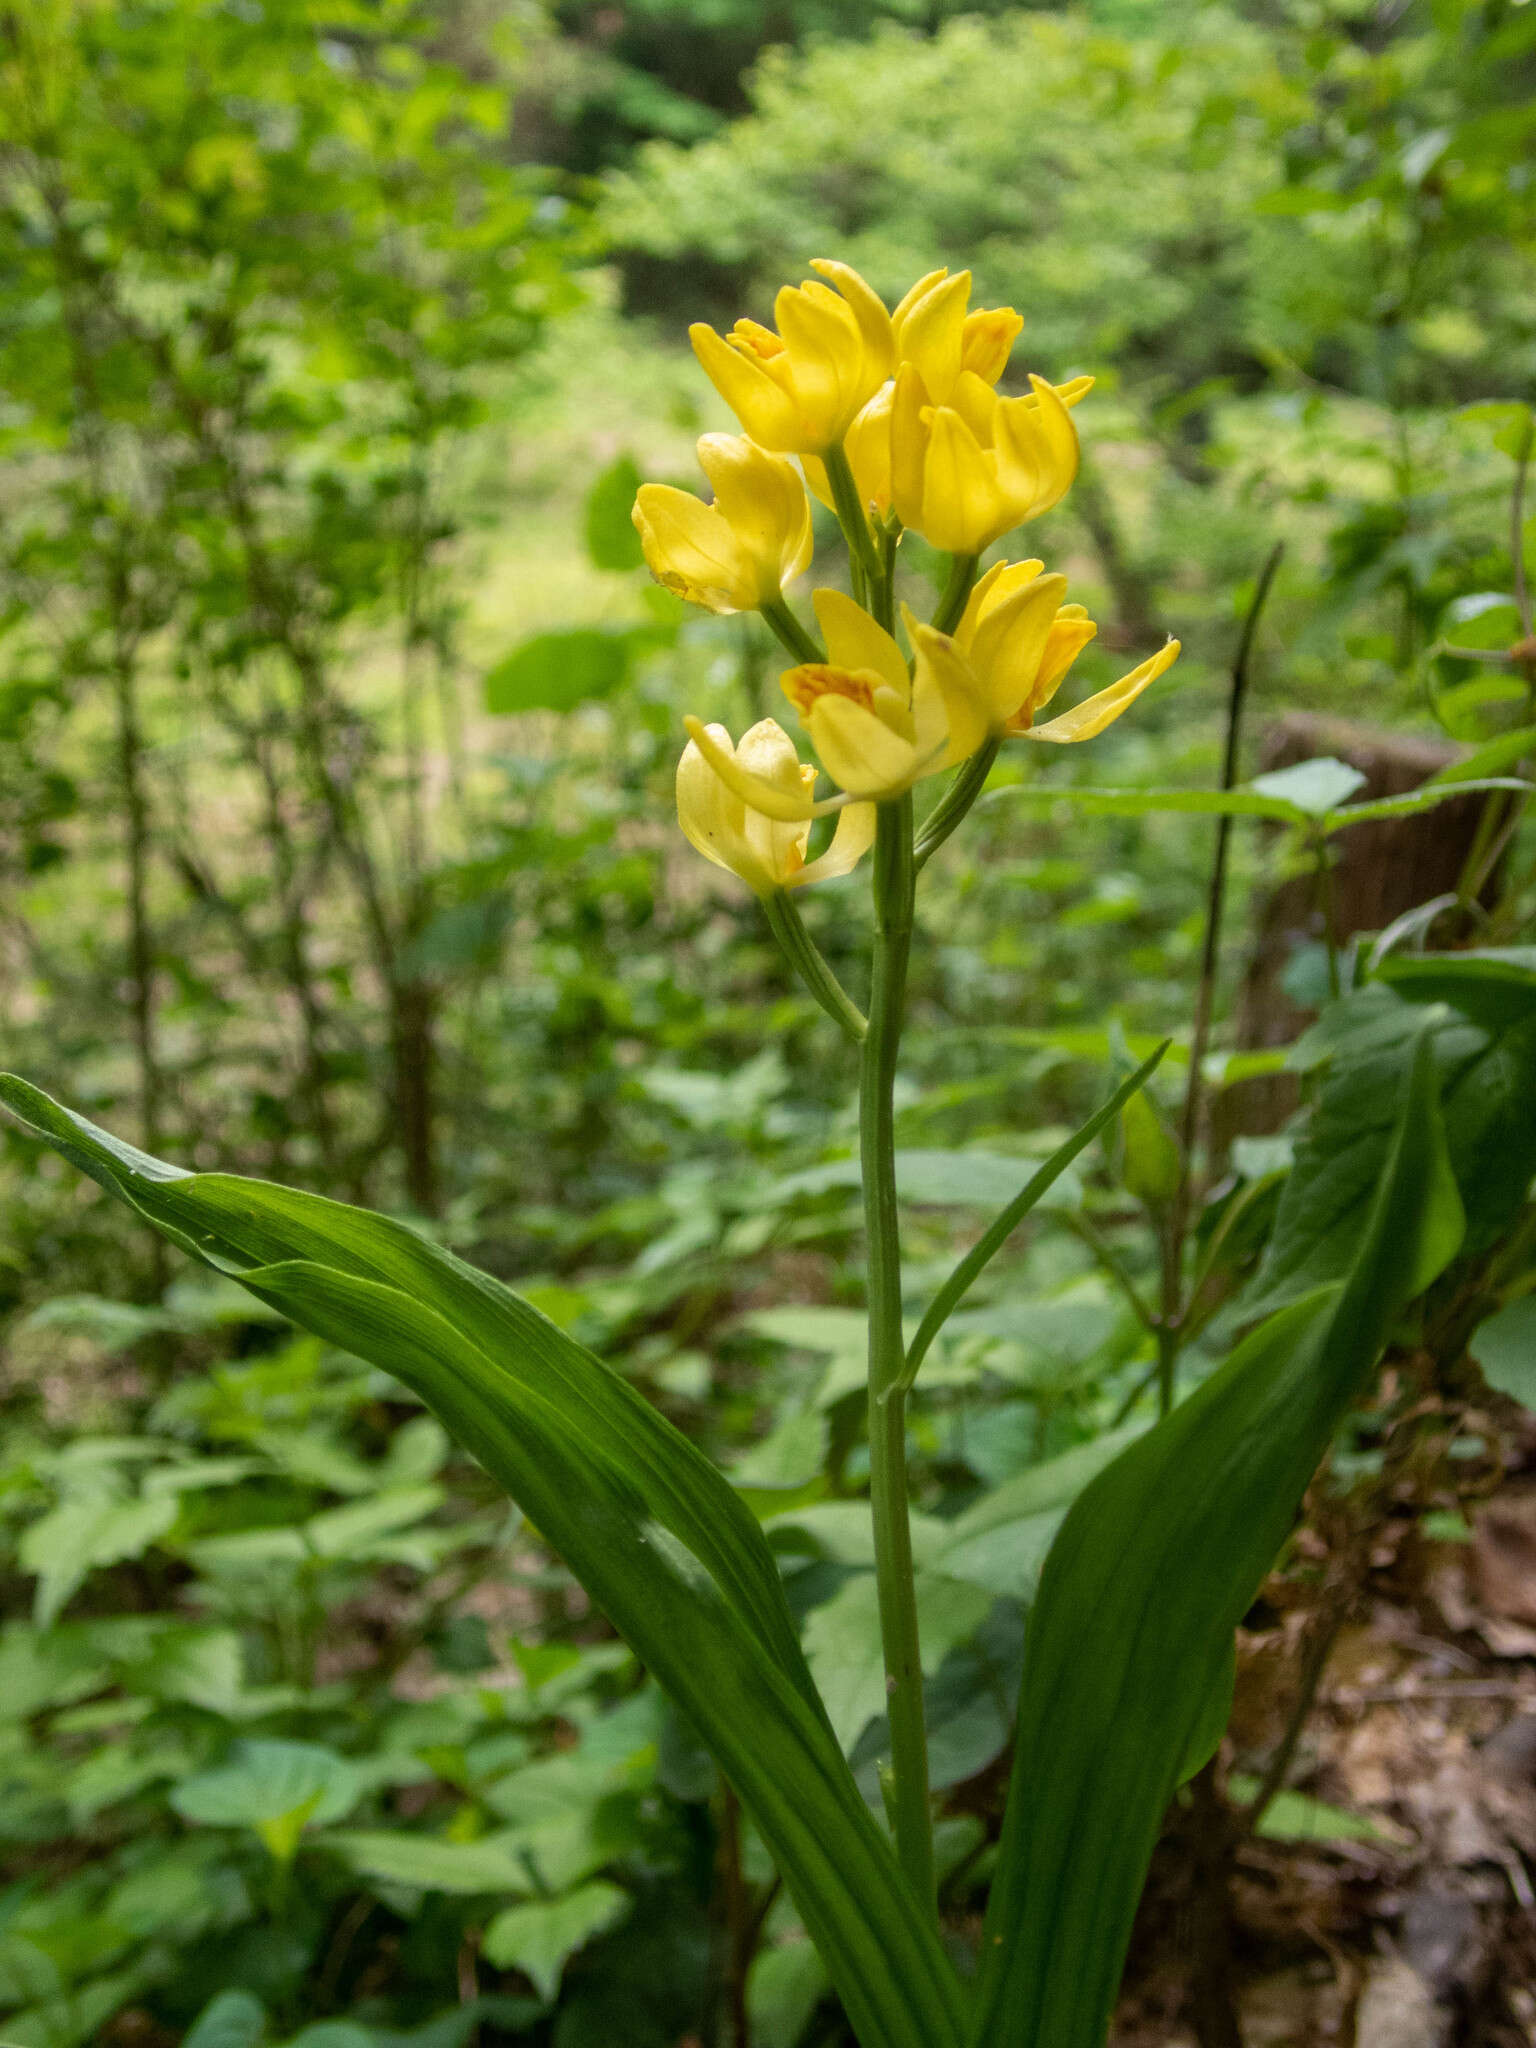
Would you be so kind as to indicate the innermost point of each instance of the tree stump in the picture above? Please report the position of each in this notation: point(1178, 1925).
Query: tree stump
point(1381, 870)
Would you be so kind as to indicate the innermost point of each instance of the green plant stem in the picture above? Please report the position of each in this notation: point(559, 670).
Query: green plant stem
point(1325, 897)
point(1517, 545)
point(789, 632)
point(805, 956)
point(962, 574)
point(957, 800)
point(854, 520)
point(884, 592)
point(1171, 1330)
point(894, 883)
point(1082, 1225)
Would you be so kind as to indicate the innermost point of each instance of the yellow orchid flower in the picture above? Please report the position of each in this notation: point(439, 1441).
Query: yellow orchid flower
point(877, 728)
point(968, 471)
point(799, 390)
point(765, 853)
point(1019, 640)
point(943, 341)
point(736, 554)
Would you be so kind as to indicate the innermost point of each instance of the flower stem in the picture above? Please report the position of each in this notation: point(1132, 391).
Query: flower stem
point(894, 884)
point(883, 592)
point(854, 520)
point(962, 574)
point(952, 810)
point(789, 632)
point(805, 956)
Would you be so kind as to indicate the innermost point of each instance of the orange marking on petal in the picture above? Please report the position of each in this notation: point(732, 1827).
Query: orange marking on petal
point(816, 679)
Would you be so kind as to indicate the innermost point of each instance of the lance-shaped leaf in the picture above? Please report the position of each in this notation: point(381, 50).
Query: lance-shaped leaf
point(1267, 798)
point(986, 1248)
point(1154, 1567)
point(642, 1518)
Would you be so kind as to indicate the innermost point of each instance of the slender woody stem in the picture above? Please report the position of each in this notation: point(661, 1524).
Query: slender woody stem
point(1171, 1331)
point(894, 883)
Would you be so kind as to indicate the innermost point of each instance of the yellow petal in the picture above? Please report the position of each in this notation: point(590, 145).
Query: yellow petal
point(690, 549)
point(867, 444)
point(826, 354)
point(756, 790)
point(1000, 582)
point(909, 445)
point(931, 336)
point(1064, 643)
point(1037, 451)
point(920, 290)
point(767, 412)
point(949, 707)
point(868, 310)
point(1010, 641)
point(963, 510)
point(853, 838)
point(987, 341)
point(1075, 390)
point(762, 500)
point(860, 753)
point(1089, 718)
point(816, 477)
point(976, 403)
point(767, 750)
point(712, 817)
point(855, 641)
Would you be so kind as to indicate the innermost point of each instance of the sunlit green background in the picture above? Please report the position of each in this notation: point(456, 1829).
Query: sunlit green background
point(337, 725)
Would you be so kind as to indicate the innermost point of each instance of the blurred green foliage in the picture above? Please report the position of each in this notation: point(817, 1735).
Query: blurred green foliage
point(337, 724)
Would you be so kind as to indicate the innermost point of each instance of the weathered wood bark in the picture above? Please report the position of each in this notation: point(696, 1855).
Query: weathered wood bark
point(1381, 870)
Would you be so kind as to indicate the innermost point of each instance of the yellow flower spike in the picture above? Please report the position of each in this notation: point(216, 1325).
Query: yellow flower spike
point(1086, 720)
point(798, 391)
point(765, 853)
point(736, 554)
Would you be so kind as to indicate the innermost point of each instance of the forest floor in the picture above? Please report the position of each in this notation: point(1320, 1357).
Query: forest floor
point(1391, 1906)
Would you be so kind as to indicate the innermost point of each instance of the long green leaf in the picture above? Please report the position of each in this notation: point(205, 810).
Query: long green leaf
point(1253, 803)
point(1155, 1565)
point(646, 1523)
point(991, 1242)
